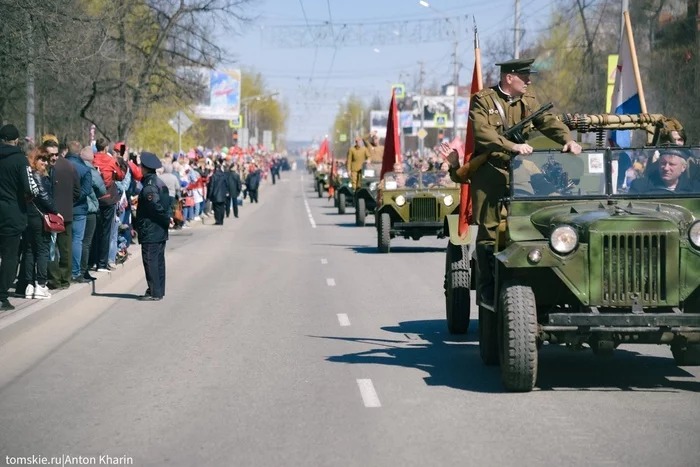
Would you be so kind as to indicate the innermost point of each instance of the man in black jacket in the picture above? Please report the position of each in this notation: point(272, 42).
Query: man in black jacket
point(153, 218)
point(252, 183)
point(234, 181)
point(65, 183)
point(16, 186)
point(218, 192)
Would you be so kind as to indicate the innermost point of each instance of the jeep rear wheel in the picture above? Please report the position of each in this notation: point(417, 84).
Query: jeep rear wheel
point(519, 359)
point(360, 212)
point(488, 336)
point(341, 203)
point(384, 233)
point(686, 355)
point(457, 295)
point(320, 189)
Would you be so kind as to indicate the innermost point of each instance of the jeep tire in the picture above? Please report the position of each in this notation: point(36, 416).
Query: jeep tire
point(360, 212)
point(519, 330)
point(320, 189)
point(384, 232)
point(457, 294)
point(341, 203)
point(686, 355)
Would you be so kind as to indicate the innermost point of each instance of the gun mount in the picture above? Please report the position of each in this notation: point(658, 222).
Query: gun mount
point(653, 124)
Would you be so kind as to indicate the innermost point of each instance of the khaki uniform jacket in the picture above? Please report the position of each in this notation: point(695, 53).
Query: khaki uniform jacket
point(357, 157)
point(488, 124)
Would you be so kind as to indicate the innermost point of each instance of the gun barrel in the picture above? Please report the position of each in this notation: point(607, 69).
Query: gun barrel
point(585, 122)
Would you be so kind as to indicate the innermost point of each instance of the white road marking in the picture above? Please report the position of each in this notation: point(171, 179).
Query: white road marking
point(306, 204)
point(343, 319)
point(330, 282)
point(324, 261)
point(369, 395)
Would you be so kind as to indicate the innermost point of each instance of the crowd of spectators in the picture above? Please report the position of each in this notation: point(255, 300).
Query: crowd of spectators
point(67, 209)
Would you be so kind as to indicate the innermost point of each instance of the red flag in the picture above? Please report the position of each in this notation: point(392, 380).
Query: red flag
point(465, 199)
point(331, 189)
point(322, 154)
point(392, 144)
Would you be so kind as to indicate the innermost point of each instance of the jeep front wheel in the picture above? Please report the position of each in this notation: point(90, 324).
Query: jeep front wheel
point(341, 203)
point(360, 212)
point(519, 358)
point(384, 233)
point(320, 189)
point(457, 295)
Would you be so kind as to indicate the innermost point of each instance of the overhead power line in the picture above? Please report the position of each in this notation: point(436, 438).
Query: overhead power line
point(363, 34)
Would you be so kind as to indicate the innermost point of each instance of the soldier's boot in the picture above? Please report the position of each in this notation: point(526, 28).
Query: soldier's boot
point(487, 271)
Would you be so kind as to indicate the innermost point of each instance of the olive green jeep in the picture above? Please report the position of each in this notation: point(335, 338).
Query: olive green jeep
point(413, 205)
point(365, 196)
point(344, 193)
point(321, 182)
point(600, 249)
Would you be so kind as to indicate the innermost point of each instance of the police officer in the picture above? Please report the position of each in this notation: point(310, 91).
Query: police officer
point(153, 218)
point(491, 111)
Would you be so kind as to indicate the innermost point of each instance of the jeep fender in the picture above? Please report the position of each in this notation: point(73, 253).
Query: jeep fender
point(452, 231)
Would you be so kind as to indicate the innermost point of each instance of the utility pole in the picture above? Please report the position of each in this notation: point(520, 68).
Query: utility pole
point(516, 35)
point(421, 142)
point(455, 81)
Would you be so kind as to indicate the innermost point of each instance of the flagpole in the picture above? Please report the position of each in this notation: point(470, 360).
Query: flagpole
point(477, 58)
point(635, 63)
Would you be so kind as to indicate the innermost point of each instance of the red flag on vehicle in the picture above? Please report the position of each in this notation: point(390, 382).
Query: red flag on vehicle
point(322, 154)
point(465, 199)
point(392, 144)
point(331, 188)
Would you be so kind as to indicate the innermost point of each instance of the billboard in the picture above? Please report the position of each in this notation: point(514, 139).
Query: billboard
point(378, 122)
point(434, 106)
point(221, 93)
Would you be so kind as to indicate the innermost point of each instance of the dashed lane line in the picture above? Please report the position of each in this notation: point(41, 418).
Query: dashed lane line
point(324, 261)
point(330, 282)
point(306, 205)
point(343, 319)
point(369, 395)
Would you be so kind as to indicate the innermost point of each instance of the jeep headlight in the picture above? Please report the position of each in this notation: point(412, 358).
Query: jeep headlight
point(563, 239)
point(694, 234)
point(448, 200)
point(400, 200)
point(373, 186)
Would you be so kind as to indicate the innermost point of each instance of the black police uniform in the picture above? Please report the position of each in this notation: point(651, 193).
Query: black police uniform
point(152, 222)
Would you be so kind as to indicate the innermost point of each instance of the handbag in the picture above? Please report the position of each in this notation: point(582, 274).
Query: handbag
point(54, 223)
point(177, 214)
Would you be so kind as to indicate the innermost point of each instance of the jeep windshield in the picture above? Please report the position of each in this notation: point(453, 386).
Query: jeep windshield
point(372, 170)
point(625, 173)
point(417, 179)
point(656, 172)
point(554, 173)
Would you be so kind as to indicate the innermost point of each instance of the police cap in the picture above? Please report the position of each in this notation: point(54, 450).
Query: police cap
point(150, 160)
point(520, 65)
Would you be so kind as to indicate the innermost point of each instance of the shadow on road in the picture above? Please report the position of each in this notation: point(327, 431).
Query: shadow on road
point(372, 250)
point(454, 361)
point(451, 361)
point(127, 296)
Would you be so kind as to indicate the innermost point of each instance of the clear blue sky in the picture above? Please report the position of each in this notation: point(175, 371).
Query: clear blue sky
point(313, 82)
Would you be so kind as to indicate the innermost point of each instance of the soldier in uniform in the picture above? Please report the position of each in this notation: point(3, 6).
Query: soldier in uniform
point(492, 110)
point(153, 218)
point(357, 156)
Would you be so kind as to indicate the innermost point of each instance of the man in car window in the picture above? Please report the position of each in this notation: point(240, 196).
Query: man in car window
point(669, 176)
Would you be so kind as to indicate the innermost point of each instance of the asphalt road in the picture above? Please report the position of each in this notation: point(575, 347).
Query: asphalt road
point(285, 340)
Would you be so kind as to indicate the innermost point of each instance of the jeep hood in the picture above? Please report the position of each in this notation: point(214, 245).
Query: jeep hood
point(583, 216)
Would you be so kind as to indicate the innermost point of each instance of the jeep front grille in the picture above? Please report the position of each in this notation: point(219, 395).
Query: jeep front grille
point(423, 209)
point(634, 269)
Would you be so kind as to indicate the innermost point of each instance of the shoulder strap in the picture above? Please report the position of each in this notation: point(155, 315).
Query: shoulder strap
point(499, 108)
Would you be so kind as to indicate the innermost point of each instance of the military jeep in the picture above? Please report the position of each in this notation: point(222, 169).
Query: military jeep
point(606, 252)
point(321, 182)
point(365, 199)
point(414, 205)
point(344, 192)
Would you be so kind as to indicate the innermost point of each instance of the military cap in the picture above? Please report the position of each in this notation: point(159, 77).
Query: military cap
point(519, 65)
point(150, 160)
